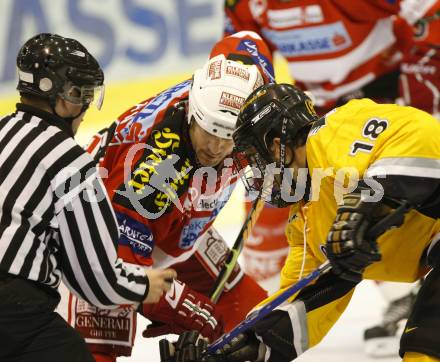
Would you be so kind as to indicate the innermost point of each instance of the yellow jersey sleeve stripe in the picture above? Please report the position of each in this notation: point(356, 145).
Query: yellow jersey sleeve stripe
point(405, 166)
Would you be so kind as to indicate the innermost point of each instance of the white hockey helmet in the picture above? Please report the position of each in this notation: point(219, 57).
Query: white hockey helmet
point(218, 91)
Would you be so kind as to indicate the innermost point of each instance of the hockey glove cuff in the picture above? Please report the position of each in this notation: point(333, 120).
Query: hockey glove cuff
point(183, 309)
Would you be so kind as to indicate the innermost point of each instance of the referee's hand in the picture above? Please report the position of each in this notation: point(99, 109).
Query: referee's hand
point(160, 282)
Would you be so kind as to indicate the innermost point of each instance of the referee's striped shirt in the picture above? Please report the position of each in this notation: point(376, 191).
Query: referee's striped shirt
point(56, 221)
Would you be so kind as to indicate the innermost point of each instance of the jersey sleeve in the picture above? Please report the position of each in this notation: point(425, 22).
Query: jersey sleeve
point(87, 237)
point(133, 211)
point(135, 242)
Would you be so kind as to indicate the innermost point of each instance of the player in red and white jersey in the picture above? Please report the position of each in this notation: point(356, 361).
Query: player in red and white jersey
point(336, 49)
point(419, 86)
point(420, 68)
point(167, 170)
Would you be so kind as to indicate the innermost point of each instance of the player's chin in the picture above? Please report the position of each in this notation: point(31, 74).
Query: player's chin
point(210, 161)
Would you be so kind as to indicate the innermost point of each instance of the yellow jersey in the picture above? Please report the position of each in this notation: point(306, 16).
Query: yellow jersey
point(361, 139)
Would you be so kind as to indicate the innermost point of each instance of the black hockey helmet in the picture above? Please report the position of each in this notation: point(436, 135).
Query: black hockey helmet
point(50, 65)
point(272, 110)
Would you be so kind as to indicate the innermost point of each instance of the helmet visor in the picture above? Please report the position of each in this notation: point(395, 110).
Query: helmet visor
point(267, 180)
point(259, 171)
point(84, 95)
point(254, 172)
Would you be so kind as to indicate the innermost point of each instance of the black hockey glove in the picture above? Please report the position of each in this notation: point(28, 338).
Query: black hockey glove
point(348, 248)
point(190, 347)
point(275, 330)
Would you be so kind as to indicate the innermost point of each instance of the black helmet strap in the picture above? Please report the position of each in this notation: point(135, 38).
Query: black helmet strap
point(283, 139)
point(69, 120)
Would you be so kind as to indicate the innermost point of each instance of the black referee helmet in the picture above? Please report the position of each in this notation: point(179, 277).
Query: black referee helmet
point(50, 65)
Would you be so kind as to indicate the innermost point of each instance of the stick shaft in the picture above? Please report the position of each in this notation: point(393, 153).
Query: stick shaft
point(267, 308)
point(392, 219)
point(236, 249)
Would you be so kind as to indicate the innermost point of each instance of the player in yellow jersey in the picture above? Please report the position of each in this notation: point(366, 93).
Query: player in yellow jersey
point(343, 173)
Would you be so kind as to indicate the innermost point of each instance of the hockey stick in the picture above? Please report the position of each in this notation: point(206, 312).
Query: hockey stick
point(252, 318)
point(236, 249)
point(391, 220)
point(227, 269)
point(267, 308)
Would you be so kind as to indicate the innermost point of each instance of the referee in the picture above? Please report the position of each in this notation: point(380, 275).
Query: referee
point(55, 218)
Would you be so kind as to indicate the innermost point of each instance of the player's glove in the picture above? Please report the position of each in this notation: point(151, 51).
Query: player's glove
point(272, 336)
point(183, 309)
point(348, 248)
point(190, 347)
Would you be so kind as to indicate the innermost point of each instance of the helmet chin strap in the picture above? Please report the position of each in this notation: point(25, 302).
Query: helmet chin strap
point(283, 138)
point(283, 147)
point(70, 119)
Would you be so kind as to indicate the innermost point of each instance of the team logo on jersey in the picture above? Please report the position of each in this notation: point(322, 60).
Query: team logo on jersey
point(161, 177)
point(135, 234)
point(313, 40)
point(213, 202)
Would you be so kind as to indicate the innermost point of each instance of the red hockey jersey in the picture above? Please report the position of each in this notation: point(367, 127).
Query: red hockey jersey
point(162, 200)
point(333, 47)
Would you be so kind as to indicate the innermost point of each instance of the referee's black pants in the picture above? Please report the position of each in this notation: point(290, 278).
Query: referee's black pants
point(30, 330)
